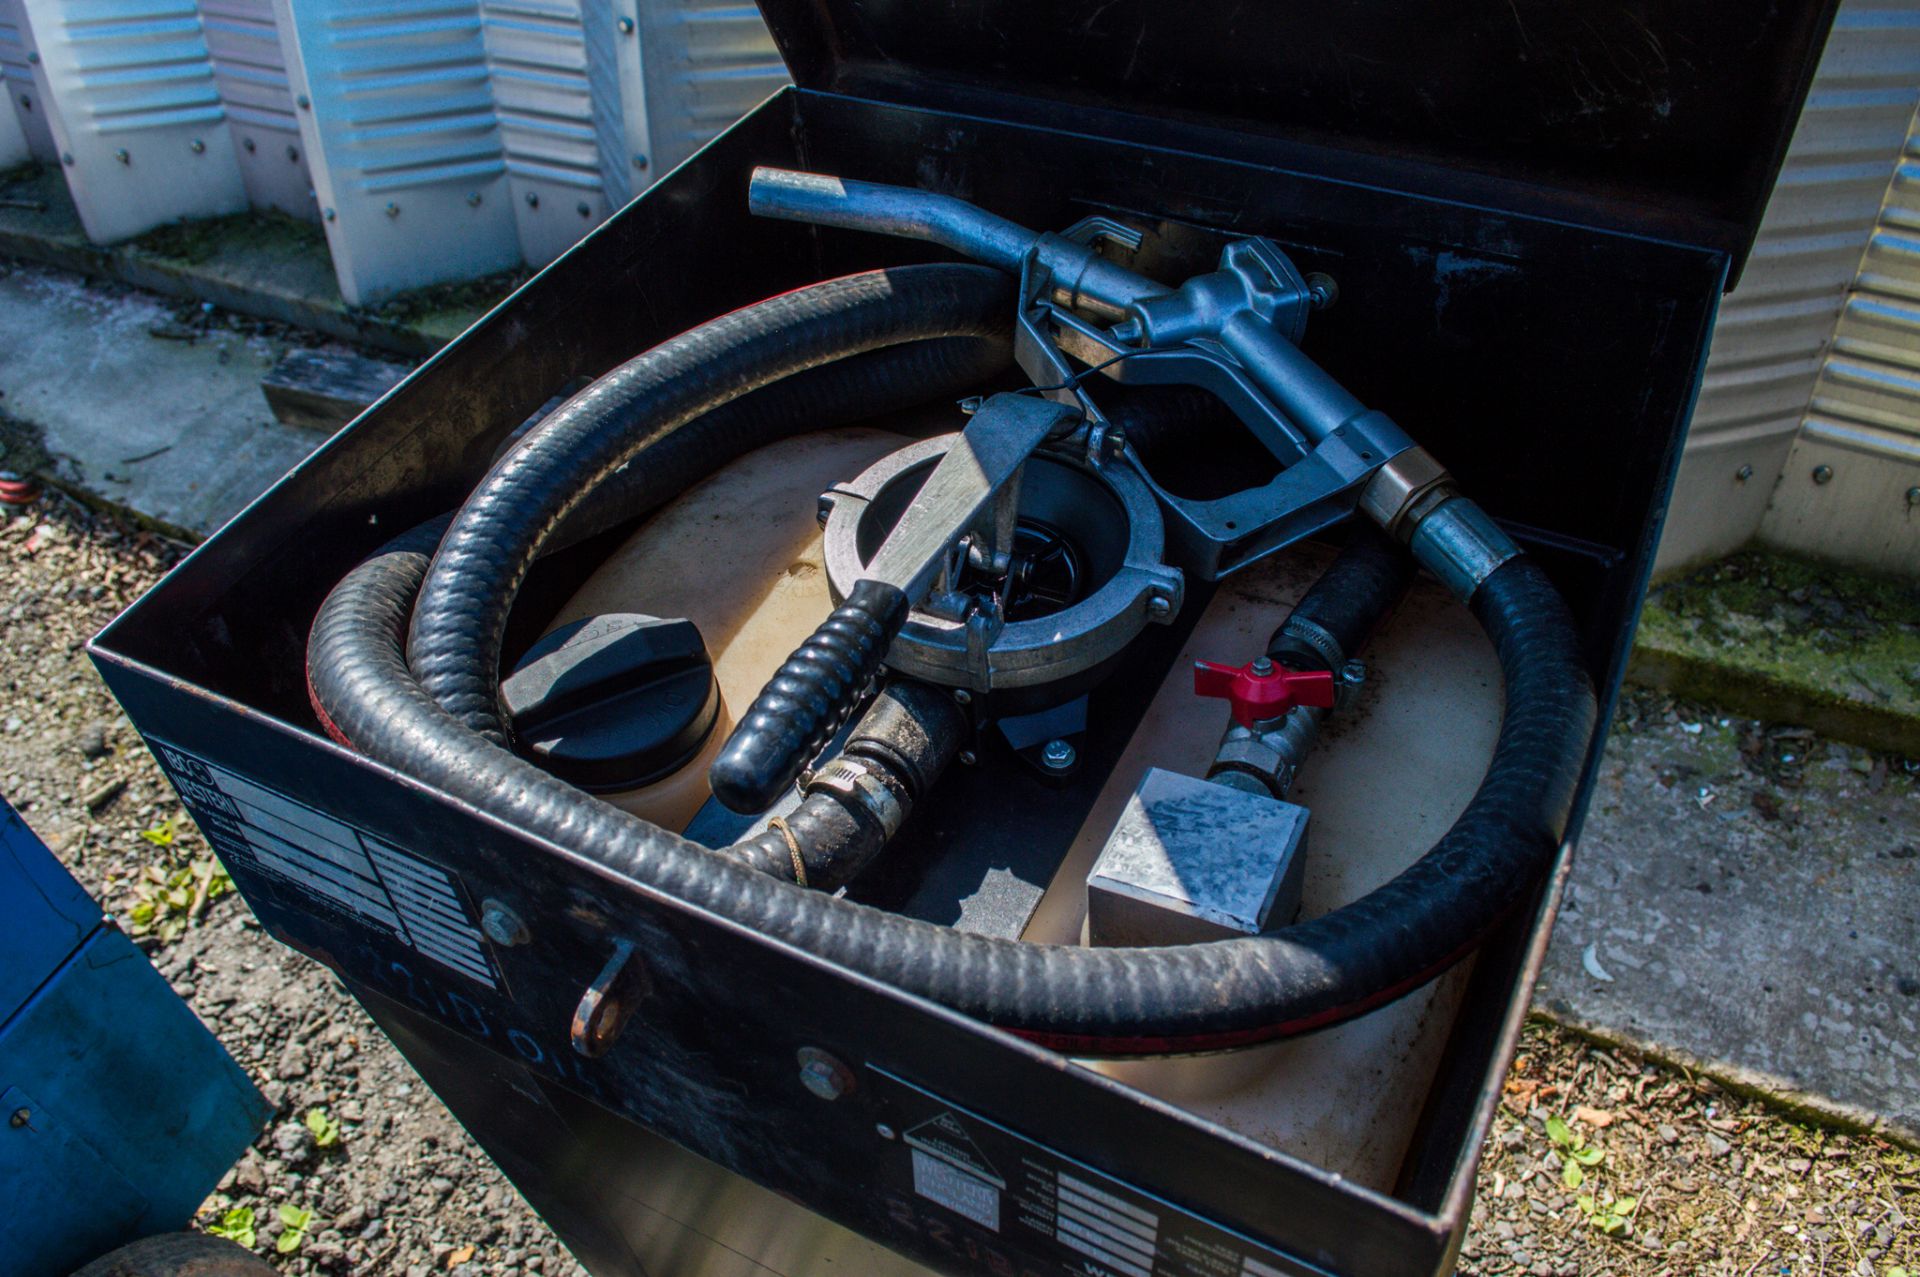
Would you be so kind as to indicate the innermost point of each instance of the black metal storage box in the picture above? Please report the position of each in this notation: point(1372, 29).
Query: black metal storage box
point(1531, 209)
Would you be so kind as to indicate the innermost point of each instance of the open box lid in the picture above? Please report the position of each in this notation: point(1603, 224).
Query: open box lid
point(1664, 117)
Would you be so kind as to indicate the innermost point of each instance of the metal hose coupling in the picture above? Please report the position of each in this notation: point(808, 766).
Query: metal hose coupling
point(1418, 503)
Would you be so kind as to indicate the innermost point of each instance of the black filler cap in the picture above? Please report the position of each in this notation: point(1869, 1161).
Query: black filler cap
point(615, 701)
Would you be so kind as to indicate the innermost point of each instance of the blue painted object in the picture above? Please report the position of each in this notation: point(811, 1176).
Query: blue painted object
point(119, 1111)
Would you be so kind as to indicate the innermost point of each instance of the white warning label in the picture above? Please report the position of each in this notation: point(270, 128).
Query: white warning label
point(953, 1188)
point(342, 868)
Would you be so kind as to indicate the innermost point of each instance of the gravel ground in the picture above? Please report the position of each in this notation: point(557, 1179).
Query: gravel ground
point(1723, 1184)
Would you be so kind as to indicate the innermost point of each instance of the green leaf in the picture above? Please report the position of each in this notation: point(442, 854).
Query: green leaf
point(1571, 1174)
point(141, 915)
point(326, 1131)
point(1624, 1205)
point(1559, 1132)
point(1588, 1156)
point(294, 1220)
point(236, 1226)
point(1585, 1203)
point(1612, 1224)
point(161, 835)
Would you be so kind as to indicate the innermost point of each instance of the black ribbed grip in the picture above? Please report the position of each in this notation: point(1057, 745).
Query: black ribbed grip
point(807, 699)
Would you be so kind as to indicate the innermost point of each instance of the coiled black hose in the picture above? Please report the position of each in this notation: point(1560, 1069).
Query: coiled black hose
point(1094, 1001)
point(456, 637)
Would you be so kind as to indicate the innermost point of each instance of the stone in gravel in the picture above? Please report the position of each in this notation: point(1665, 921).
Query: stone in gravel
point(294, 1142)
point(248, 1178)
point(351, 1219)
point(93, 741)
point(1667, 1134)
point(1717, 1146)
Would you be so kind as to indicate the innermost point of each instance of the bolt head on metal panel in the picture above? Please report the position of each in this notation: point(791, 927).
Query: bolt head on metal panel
point(1058, 754)
point(1823, 474)
point(502, 925)
point(823, 1074)
point(625, 26)
point(197, 146)
point(1743, 474)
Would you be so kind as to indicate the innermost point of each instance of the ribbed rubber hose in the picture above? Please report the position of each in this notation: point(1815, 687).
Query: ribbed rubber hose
point(1092, 1001)
point(836, 394)
point(456, 635)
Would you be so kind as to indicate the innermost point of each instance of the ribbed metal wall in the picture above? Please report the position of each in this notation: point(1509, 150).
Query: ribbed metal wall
point(1850, 489)
point(250, 70)
point(23, 95)
point(1775, 329)
point(130, 96)
point(436, 140)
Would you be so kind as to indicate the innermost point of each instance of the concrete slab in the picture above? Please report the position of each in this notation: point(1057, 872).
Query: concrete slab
point(176, 430)
point(1791, 639)
point(267, 265)
point(1747, 903)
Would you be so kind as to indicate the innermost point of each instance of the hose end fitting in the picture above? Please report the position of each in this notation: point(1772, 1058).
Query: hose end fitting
point(1418, 504)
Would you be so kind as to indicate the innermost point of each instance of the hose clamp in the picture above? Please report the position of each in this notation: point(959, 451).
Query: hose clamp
point(857, 783)
point(1315, 636)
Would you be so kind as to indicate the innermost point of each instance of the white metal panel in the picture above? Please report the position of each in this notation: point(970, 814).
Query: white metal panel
point(16, 75)
point(542, 91)
point(134, 111)
point(1851, 485)
point(401, 135)
point(1771, 339)
point(688, 70)
point(14, 149)
point(251, 73)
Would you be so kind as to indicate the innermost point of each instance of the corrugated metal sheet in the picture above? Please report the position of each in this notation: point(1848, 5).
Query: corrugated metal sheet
point(1772, 337)
point(1850, 489)
point(537, 50)
point(406, 148)
point(134, 111)
point(250, 71)
point(696, 67)
point(23, 95)
point(436, 140)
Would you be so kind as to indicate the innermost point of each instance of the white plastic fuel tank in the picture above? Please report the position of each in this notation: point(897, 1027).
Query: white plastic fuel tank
point(740, 555)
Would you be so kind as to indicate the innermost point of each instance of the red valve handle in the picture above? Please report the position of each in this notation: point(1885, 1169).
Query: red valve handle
point(1254, 696)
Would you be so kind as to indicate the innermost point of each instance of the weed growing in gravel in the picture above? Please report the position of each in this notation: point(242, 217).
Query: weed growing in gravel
point(294, 1220)
point(173, 898)
point(236, 1226)
point(326, 1131)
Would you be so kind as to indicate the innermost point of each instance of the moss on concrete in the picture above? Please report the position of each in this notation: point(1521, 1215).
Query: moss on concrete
point(1791, 640)
point(266, 265)
point(191, 243)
